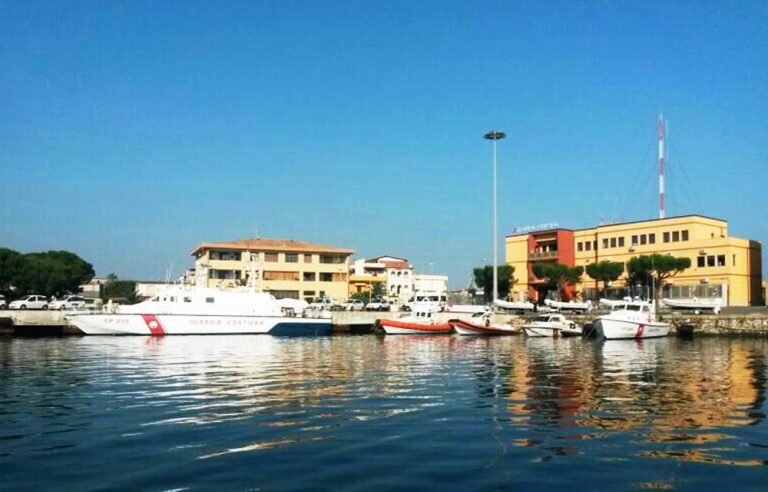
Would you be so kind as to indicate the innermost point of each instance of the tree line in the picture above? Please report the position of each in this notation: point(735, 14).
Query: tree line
point(46, 273)
point(646, 270)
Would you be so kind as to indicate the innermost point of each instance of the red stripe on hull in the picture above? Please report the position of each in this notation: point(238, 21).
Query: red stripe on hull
point(415, 326)
point(154, 325)
point(485, 329)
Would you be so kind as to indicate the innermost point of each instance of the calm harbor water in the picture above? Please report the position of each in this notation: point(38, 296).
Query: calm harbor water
point(369, 412)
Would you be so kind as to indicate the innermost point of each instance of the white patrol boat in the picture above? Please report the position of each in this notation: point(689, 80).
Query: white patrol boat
point(188, 310)
point(551, 325)
point(632, 319)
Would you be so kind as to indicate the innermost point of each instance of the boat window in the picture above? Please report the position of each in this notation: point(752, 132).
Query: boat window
point(173, 299)
point(542, 318)
point(633, 307)
point(209, 300)
point(154, 299)
point(187, 299)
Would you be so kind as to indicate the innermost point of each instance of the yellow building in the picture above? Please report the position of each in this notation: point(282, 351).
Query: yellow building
point(720, 264)
point(284, 267)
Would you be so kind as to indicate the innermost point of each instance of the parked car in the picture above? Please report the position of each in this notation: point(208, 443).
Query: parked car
point(3, 304)
point(30, 302)
point(353, 305)
point(324, 304)
point(69, 302)
point(377, 304)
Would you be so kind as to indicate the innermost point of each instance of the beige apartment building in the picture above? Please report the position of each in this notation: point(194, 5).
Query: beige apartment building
point(284, 267)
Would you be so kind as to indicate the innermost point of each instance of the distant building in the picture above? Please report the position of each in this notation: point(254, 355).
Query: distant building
point(147, 289)
point(286, 268)
point(721, 265)
point(429, 282)
point(93, 288)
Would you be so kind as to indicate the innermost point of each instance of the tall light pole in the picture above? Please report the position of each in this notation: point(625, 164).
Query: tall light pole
point(495, 135)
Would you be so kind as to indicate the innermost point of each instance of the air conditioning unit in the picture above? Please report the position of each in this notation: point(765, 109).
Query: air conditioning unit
point(633, 247)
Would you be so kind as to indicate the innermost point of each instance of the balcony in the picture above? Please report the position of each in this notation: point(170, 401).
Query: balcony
point(542, 255)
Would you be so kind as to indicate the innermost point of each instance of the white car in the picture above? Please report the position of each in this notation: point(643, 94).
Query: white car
point(353, 305)
point(377, 305)
point(323, 304)
point(3, 304)
point(30, 302)
point(69, 302)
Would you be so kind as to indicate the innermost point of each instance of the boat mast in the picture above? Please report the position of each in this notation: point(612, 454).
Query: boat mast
point(661, 166)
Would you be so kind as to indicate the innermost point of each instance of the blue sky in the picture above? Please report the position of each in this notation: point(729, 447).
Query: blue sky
point(132, 131)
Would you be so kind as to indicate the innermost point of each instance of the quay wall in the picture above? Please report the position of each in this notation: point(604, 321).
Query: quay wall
point(749, 324)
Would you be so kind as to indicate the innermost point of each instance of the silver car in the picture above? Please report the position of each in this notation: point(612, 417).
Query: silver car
point(69, 302)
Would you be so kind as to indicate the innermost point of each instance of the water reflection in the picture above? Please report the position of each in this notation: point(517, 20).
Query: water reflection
point(509, 400)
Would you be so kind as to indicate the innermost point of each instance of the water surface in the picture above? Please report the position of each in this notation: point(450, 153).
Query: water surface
point(369, 412)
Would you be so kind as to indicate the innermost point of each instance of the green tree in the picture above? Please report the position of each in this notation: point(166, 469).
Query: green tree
point(377, 290)
point(120, 289)
point(605, 272)
point(558, 276)
point(10, 264)
point(51, 273)
point(484, 280)
point(656, 268)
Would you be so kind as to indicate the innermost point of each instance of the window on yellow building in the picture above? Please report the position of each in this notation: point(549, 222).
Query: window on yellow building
point(605, 243)
point(700, 261)
point(685, 235)
point(720, 260)
point(271, 257)
point(710, 261)
point(643, 239)
point(589, 245)
point(621, 242)
point(326, 277)
point(613, 242)
point(291, 258)
point(289, 276)
point(666, 237)
point(309, 276)
point(651, 238)
point(308, 258)
point(634, 240)
point(579, 246)
point(675, 236)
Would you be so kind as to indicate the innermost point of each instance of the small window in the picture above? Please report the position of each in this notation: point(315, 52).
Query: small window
point(685, 235)
point(605, 243)
point(594, 244)
point(701, 261)
point(291, 258)
point(209, 300)
point(675, 236)
point(580, 246)
point(734, 260)
point(643, 239)
point(711, 261)
point(634, 240)
point(651, 238)
point(666, 237)
point(309, 277)
point(613, 242)
point(187, 299)
point(720, 260)
point(621, 242)
point(589, 245)
point(307, 258)
point(326, 277)
point(271, 257)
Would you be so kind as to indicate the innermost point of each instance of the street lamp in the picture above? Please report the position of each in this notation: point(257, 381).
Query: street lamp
point(495, 135)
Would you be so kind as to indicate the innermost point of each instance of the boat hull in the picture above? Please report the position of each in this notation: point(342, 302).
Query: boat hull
point(392, 327)
point(173, 324)
point(464, 328)
point(617, 329)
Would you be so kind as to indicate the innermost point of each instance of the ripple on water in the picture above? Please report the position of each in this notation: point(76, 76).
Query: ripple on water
point(368, 412)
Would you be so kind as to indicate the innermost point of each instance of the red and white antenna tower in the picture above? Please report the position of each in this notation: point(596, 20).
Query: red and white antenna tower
point(661, 166)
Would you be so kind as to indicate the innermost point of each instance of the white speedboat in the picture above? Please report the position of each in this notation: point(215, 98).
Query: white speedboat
point(514, 305)
point(612, 303)
point(633, 319)
point(188, 310)
point(421, 322)
point(714, 304)
point(568, 306)
point(551, 325)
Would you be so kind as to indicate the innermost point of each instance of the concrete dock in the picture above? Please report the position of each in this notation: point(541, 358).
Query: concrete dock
point(751, 323)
